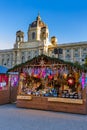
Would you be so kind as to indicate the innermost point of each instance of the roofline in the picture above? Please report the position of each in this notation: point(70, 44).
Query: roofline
point(73, 43)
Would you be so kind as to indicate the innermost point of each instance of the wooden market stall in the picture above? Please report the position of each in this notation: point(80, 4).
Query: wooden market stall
point(13, 85)
point(4, 89)
point(51, 84)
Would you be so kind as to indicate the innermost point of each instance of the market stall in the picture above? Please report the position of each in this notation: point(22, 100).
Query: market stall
point(13, 85)
point(4, 89)
point(51, 84)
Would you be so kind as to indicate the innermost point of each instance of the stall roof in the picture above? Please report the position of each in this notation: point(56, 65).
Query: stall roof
point(37, 61)
point(3, 69)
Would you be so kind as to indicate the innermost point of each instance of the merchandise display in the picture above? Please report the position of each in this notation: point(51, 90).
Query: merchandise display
point(3, 82)
point(52, 81)
point(14, 78)
point(4, 89)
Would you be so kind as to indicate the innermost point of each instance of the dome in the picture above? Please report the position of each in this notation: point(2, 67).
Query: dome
point(19, 32)
point(37, 22)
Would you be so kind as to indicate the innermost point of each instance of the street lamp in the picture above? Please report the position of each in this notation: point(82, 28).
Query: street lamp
point(58, 51)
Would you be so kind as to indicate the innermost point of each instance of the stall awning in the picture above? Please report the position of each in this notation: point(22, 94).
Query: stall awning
point(3, 69)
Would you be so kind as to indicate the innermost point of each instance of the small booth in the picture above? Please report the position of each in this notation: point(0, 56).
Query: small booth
point(51, 84)
point(13, 85)
point(4, 87)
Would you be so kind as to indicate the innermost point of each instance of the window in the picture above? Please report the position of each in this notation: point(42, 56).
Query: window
point(21, 39)
point(41, 51)
point(7, 61)
point(67, 56)
point(76, 50)
point(36, 53)
point(22, 53)
point(29, 52)
point(18, 38)
point(29, 57)
point(2, 61)
point(23, 59)
point(8, 55)
point(33, 35)
point(67, 50)
point(83, 55)
point(52, 56)
point(76, 55)
point(52, 51)
point(84, 49)
point(2, 55)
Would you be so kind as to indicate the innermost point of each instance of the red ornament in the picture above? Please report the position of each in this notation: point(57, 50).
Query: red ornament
point(50, 76)
point(71, 81)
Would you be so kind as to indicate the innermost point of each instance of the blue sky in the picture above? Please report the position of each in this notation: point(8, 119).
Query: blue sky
point(66, 19)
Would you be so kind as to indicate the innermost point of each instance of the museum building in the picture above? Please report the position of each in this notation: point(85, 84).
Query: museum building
point(38, 42)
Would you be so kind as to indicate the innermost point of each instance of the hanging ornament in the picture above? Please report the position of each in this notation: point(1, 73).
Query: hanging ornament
point(82, 80)
point(71, 80)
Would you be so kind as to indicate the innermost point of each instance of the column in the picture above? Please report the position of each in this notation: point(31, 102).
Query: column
point(64, 54)
point(80, 53)
point(18, 59)
point(13, 60)
point(72, 55)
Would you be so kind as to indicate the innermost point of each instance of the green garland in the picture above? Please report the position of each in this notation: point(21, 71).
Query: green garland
point(78, 66)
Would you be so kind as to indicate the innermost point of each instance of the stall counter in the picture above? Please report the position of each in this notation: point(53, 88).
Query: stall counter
point(54, 104)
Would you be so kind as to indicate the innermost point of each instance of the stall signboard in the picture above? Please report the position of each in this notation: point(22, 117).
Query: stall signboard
point(66, 100)
point(24, 97)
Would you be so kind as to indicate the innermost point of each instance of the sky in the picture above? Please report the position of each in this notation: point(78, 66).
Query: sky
point(66, 19)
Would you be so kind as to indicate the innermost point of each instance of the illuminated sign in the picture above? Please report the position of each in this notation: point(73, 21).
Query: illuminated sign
point(24, 97)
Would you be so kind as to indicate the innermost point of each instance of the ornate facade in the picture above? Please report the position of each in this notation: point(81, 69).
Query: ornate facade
point(38, 43)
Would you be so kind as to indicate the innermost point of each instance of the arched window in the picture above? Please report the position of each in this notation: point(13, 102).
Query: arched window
point(68, 56)
point(23, 59)
point(2, 61)
point(18, 38)
point(7, 61)
point(28, 57)
point(33, 35)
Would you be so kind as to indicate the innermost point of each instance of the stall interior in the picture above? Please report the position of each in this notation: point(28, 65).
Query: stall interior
point(53, 80)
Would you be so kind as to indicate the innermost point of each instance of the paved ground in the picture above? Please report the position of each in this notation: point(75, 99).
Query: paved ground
point(12, 118)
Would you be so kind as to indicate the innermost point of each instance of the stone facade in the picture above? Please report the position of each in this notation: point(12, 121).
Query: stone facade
point(38, 43)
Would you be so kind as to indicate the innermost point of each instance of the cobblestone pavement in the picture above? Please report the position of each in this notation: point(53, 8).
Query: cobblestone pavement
point(12, 118)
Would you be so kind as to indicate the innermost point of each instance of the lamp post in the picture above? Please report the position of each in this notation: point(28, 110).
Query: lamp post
point(58, 51)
